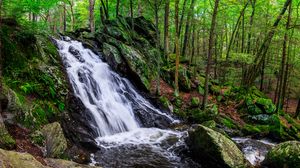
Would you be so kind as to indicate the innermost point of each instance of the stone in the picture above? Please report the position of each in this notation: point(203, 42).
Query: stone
point(59, 163)
point(56, 143)
point(286, 154)
point(10, 159)
point(213, 149)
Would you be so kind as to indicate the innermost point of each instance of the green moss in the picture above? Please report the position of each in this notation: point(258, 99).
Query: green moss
point(229, 123)
point(6, 141)
point(195, 101)
point(165, 101)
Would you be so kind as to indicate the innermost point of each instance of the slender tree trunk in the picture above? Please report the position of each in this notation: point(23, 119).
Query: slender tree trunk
point(253, 2)
point(156, 8)
point(243, 33)
point(176, 46)
point(210, 50)
point(193, 43)
point(262, 76)
point(166, 29)
point(131, 15)
point(1, 58)
point(297, 113)
point(71, 3)
point(253, 70)
point(283, 62)
point(65, 17)
point(91, 15)
point(180, 22)
point(235, 30)
point(117, 8)
point(187, 28)
point(140, 8)
point(105, 8)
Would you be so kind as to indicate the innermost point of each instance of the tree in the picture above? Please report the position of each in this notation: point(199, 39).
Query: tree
point(282, 77)
point(166, 29)
point(91, 15)
point(117, 8)
point(176, 46)
point(252, 71)
point(210, 50)
point(187, 28)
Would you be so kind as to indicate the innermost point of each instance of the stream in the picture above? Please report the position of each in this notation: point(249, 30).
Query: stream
point(131, 132)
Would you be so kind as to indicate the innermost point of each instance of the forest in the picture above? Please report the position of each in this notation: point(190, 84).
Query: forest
point(150, 83)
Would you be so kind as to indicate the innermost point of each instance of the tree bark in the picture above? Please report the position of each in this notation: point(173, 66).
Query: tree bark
point(91, 15)
point(117, 8)
point(105, 8)
point(140, 8)
point(235, 30)
point(253, 70)
point(283, 63)
point(166, 29)
point(253, 2)
point(297, 113)
point(187, 29)
point(176, 46)
point(210, 50)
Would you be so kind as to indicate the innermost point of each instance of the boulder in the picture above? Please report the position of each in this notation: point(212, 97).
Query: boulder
point(59, 163)
point(56, 143)
point(213, 149)
point(6, 141)
point(286, 154)
point(10, 159)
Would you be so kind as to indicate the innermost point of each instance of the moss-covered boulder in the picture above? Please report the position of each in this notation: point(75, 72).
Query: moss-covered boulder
point(286, 154)
point(213, 149)
point(55, 141)
point(10, 159)
point(6, 141)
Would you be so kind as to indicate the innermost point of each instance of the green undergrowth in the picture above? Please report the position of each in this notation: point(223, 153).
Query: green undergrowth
point(33, 75)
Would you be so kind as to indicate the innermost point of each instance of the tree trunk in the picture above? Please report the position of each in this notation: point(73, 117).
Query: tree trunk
point(283, 63)
point(210, 50)
point(297, 113)
point(140, 8)
point(131, 15)
point(253, 2)
point(117, 8)
point(1, 58)
point(91, 15)
point(235, 30)
point(166, 29)
point(176, 46)
point(65, 17)
point(156, 8)
point(71, 2)
point(105, 7)
point(187, 29)
point(253, 70)
point(180, 22)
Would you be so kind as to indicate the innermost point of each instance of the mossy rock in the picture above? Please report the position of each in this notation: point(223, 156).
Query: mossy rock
point(199, 116)
point(195, 102)
point(213, 149)
point(210, 124)
point(10, 159)
point(286, 154)
point(56, 143)
point(6, 140)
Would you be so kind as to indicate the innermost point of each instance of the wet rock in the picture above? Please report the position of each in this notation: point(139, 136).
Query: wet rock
point(59, 163)
point(76, 53)
point(56, 143)
point(212, 149)
point(286, 154)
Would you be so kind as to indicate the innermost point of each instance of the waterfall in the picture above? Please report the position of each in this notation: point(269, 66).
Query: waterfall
point(118, 111)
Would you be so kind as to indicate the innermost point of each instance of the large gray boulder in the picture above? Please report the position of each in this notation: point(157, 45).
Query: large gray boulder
point(284, 155)
point(213, 149)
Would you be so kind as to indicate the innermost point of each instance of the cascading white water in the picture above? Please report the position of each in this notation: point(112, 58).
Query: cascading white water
point(111, 100)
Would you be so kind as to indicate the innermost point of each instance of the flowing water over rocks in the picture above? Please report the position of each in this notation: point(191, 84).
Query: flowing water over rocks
point(131, 132)
point(254, 150)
